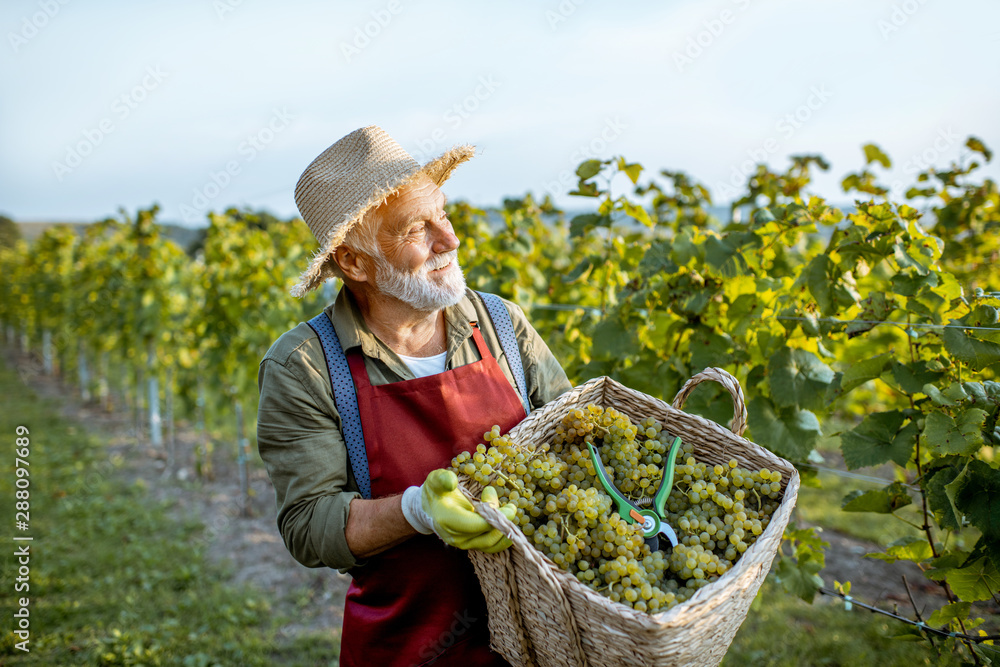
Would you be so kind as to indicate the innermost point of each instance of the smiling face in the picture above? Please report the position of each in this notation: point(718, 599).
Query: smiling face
point(418, 262)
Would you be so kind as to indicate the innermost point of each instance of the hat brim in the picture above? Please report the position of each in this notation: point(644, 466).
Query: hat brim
point(438, 170)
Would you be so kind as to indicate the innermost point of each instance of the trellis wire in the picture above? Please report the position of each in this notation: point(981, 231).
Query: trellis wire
point(881, 481)
point(851, 601)
point(905, 325)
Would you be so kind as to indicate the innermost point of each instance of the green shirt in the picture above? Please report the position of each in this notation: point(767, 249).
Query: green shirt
point(298, 426)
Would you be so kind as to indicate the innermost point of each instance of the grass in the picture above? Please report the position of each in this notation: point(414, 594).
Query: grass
point(114, 579)
point(783, 631)
point(821, 505)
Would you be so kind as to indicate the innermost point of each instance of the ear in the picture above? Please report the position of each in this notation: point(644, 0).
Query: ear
point(354, 265)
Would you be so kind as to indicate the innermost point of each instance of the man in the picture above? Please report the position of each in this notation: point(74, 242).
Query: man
point(361, 407)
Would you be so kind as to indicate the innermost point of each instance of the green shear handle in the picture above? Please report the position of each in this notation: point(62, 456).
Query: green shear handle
point(653, 521)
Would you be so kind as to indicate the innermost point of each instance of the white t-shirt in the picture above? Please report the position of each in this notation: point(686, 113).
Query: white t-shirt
point(424, 366)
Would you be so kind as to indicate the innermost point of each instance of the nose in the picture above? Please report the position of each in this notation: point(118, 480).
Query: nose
point(445, 239)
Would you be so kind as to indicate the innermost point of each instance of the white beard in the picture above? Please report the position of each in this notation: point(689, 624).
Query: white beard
point(418, 290)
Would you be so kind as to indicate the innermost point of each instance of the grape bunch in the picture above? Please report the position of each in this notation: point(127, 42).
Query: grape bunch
point(717, 511)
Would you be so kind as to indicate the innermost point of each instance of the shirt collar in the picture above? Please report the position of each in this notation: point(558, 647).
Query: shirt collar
point(353, 331)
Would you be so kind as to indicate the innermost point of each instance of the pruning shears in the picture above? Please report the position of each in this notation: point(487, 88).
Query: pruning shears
point(653, 521)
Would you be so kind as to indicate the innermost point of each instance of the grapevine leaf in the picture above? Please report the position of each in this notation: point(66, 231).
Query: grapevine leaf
point(975, 144)
point(977, 353)
point(726, 255)
point(820, 279)
point(612, 340)
point(585, 190)
point(588, 169)
point(864, 370)
point(986, 546)
point(657, 259)
point(951, 396)
point(684, 247)
point(977, 494)
point(742, 313)
point(637, 213)
point(987, 320)
point(954, 436)
point(875, 308)
point(976, 582)
point(632, 171)
point(937, 398)
point(799, 578)
point(790, 433)
point(920, 263)
point(941, 504)
point(878, 439)
point(798, 378)
point(950, 612)
point(808, 543)
point(881, 501)
point(580, 272)
point(987, 392)
point(912, 377)
point(907, 283)
point(582, 224)
point(762, 216)
point(989, 654)
point(874, 154)
point(709, 349)
point(915, 549)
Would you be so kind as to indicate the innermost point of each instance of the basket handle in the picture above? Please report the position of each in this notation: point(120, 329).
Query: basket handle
point(739, 422)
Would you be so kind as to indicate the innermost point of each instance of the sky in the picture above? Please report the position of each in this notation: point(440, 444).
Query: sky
point(200, 105)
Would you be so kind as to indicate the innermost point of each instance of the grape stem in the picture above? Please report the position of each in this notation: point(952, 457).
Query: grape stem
point(512, 482)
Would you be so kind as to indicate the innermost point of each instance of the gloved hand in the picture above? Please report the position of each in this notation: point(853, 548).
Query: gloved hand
point(439, 507)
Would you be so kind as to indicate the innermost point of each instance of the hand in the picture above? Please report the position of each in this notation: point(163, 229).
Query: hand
point(451, 516)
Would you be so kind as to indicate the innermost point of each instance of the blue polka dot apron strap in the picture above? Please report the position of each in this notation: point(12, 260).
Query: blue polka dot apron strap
point(504, 327)
point(346, 400)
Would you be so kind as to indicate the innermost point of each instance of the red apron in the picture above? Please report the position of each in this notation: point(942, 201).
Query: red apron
point(419, 603)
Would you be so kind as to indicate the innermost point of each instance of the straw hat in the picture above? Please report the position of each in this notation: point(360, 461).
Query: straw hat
point(357, 173)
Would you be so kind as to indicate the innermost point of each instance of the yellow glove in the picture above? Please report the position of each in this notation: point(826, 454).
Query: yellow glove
point(453, 518)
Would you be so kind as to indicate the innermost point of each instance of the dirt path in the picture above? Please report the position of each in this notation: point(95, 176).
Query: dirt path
point(253, 551)
point(250, 547)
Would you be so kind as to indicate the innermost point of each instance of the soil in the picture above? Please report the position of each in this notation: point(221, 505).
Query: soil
point(252, 551)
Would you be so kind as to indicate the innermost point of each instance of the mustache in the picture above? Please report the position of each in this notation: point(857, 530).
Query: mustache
point(442, 260)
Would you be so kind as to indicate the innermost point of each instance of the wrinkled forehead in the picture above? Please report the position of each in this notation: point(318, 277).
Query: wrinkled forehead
point(420, 199)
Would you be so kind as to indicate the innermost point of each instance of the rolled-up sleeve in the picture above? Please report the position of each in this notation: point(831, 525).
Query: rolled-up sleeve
point(298, 434)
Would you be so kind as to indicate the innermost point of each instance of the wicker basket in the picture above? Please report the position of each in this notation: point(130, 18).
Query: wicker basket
point(542, 616)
